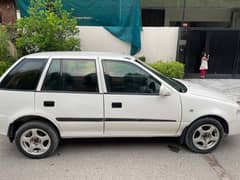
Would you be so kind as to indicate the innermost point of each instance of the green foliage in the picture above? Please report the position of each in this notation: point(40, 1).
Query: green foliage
point(142, 58)
point(48, 28)
point(12, 32)
point(4, 39)
point(4, 65)
point(172, 69)
point(6, 59)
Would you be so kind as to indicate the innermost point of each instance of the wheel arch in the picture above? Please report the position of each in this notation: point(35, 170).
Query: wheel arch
point(13, 127)
point(218, 118)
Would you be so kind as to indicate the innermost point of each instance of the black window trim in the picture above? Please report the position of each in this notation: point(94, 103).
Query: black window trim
point(14, 66)
point(69, 92)
point(128, 93)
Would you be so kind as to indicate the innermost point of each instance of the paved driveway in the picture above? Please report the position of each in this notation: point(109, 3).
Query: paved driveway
point(134, 159)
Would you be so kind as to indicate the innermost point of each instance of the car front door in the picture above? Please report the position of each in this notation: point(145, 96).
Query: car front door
point(133, 106)
point(70, 95)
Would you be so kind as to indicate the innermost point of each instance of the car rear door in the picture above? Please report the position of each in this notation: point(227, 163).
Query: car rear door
point(17, 90)
point(133, 106)
point(70, 94)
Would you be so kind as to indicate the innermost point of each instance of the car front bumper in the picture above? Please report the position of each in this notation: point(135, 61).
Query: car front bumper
point(234, 126)
point(4, 124)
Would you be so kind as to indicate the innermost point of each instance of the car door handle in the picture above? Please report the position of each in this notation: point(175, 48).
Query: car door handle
point(49, 103)
point(116, 105)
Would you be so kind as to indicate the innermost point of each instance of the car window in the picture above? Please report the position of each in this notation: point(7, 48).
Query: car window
point(125, 77)
point(180, 87)
point(25, 75)
point(71, 75)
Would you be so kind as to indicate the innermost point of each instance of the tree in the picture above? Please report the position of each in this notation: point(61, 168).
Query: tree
point(4, 45)
point(47, 28)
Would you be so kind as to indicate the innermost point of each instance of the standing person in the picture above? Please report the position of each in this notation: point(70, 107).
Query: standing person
point(204, 65)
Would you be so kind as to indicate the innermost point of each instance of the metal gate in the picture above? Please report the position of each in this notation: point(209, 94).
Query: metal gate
point(221, 44)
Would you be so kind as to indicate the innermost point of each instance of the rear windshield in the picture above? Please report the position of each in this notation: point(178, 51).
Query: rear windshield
point(25, 75)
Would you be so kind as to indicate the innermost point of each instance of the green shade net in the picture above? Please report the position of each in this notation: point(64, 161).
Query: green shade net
point(122, 18)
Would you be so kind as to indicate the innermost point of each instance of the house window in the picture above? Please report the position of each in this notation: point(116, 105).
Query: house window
point(153, 17)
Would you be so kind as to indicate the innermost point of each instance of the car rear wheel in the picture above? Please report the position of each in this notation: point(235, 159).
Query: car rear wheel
point(36, 139)
point(204, 135)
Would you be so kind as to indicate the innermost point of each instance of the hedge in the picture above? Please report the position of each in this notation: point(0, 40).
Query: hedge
point(173, 69)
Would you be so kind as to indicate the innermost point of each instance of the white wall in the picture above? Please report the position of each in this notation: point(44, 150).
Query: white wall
point(158, 43)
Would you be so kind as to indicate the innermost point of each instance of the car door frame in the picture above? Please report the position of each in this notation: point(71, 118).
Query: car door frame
point(101, 59)
point(64, 126)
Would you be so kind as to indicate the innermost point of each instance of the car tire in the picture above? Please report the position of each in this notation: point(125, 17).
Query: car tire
point(204, 135)
point(36, 139)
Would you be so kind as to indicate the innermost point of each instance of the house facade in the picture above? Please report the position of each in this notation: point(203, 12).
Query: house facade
point(174, 30)
point(200, 13)
point(204, 25)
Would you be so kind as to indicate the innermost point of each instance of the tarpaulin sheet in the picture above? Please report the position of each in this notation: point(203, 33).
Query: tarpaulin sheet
point(122, 18)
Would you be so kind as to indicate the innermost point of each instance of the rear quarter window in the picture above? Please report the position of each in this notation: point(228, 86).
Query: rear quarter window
point(25, 75)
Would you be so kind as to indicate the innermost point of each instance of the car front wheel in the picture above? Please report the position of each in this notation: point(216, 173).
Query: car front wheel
point(204, 135)
point(36, 139)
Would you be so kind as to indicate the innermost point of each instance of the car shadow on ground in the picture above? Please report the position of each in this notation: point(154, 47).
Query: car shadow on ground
point(173, 144)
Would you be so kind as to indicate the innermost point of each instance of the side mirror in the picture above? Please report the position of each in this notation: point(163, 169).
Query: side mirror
point(164, 91)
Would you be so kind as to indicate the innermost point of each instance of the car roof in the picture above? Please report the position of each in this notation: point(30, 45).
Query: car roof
point(80, 54)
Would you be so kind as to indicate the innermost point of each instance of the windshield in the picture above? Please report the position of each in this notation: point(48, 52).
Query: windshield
point(172, 82)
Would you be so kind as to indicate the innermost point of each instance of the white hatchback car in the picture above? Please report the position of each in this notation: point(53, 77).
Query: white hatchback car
point(48, 96)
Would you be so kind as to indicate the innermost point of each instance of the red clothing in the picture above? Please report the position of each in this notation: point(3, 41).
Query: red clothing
point(203, 73)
